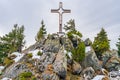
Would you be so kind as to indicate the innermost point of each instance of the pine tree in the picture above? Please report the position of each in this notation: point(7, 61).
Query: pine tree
point(41, 32)
point(101, 43)
point(78, 51)
point(12, 42)
point(2, 53)
point(118, 46)
point(70, 25)
point(71, 30)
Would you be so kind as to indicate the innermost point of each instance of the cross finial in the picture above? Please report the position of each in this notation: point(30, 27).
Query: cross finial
point(60, 5)
point(60, 10)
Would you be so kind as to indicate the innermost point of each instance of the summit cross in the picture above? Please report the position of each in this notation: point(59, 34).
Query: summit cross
point(60, 11)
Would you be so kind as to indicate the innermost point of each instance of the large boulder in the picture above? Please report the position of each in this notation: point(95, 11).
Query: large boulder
point(113, 64)
point(107, 55)
point(60, 64)
point(58, 61)
point(91, 60)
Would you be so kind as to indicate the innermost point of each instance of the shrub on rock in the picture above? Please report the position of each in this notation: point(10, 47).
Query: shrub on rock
point(39, 53)
point(29, 55)
point(78, 53)
point(7, 62)
point(25, 76)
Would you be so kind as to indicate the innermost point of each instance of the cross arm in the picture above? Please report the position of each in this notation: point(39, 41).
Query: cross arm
point(54, 10)
point(66, 11)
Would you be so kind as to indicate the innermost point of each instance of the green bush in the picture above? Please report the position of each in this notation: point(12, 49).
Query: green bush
point(78, 53)
point(8, 62)
point(39, 53)
point(29, 55)
point(33, 78)
point(71, 34)
point(22, 78)
point(25, 75)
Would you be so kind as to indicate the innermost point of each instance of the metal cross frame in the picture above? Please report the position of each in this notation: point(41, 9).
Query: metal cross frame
point(60, 11)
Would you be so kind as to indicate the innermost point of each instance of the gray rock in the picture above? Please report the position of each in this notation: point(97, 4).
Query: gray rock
point(1, 69)
point(69, 61)
point(107, 55)
point(88, 42)
point(15, 69)
point(60, 64)
point(88, 73)
point(91, 60)
point(68, 44)
point(35, 46)
point(49, 77)
point(46, 58)
point(52, 48)
point(51, 45)
point(76, 68)
point(49, 74)
point(113, 64)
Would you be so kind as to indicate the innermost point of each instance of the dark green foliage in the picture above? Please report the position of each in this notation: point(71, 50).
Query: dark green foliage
point(71, 31)
point(7, 62)
point(2, 54)
point(25, 75)
point(29, 55)
point(118, 46)
point(41, 32)
point(71, 34)
point(39, 53)
point(14, 39)
point(70, 25)
point(33, 78)
point(101, 43)
point(78, 53)
point(12, 42)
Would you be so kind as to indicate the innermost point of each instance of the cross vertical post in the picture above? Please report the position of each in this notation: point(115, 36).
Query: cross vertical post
point(60, 11)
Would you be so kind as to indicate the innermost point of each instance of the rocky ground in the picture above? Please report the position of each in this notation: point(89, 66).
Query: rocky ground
point(47, 60)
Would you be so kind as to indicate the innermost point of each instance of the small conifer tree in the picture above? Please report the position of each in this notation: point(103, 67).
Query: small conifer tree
point(41, 32)
point(118, 46)
point(101, 43)
point(71, 30)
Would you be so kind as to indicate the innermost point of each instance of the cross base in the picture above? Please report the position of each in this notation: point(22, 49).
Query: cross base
point(60, 33)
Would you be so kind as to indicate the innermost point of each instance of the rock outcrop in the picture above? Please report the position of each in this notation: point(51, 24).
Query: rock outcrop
point(55, 61)
point(91, 60)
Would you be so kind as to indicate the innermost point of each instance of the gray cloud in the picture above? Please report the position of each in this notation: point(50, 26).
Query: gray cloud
point(90, 16)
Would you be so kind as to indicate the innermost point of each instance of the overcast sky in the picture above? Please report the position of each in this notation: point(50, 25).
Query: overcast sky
point(90, 16)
